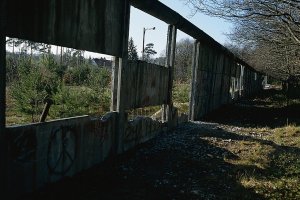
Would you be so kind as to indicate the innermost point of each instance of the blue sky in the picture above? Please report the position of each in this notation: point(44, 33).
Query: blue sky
point(214, 27)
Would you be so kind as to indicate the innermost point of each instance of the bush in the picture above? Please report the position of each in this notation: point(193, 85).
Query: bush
point(57, 70)
point(181, 93)
point(33, 86)
point(99, 79)
point(77, 75)
point(72, 101)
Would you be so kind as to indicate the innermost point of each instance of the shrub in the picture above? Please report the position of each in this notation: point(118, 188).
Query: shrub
point(33, 86)
point(181, 93)
point(77, 75)
point(72, 101)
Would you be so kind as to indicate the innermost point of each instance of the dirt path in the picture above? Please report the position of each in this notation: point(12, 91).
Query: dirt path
point(200, 160)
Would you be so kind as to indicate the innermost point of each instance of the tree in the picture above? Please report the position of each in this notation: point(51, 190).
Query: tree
point(34, 85)
point(149, 52)
point(161, 60)
point(268, 32)
point(132, 51)
point(183, 59)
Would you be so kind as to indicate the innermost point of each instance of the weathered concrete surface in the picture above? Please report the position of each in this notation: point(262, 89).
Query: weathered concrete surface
point(82, 24)
point(215, 78)
point(2, 68)
point(3, 139)
point(44, 153)
point(146, 84)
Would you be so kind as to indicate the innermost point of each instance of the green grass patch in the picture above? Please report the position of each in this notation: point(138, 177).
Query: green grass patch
point(273, 161)
point(181, 92)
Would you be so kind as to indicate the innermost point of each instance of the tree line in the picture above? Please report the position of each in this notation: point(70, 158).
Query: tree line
point(266, 33)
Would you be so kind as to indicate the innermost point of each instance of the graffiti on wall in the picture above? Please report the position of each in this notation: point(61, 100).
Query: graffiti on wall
point(24, 146)
point(61, 150)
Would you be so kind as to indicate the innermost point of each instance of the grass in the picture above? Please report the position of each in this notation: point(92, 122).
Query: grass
point(13, 116)
point(273, 162)
point(268, 148)
point(181, 92)
point(181, 97)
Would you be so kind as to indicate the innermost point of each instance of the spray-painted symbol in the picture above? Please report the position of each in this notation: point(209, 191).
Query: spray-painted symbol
point(61, 150)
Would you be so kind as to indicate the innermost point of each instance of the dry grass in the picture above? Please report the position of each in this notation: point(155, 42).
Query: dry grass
point(274, 156)
point(287, 136)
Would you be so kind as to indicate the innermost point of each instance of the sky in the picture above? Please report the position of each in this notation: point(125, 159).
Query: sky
point(214, 27)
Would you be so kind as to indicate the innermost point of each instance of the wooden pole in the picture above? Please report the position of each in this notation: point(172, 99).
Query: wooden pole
point(46, 110)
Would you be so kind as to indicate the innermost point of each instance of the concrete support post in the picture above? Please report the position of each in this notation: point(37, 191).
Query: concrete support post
point(194, 82)
point(114, 85)
point(2, 68)
point(3, 139)
point(121, 82)
point(170, 61)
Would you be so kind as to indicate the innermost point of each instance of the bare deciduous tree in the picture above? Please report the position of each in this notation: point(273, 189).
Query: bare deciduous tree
point(266, 33)
point(183, 59)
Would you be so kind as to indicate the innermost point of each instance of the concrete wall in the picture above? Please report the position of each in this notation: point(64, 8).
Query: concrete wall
point(146, 84)
point(218, 80)
point(47, 152)
point(96, 26)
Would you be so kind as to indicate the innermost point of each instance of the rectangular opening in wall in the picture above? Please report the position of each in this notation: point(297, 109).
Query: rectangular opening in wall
point(147, 38)
point(182, 72)
point(47, 82)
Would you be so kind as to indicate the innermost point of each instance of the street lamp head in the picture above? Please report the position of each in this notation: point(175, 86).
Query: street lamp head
point(145, 29)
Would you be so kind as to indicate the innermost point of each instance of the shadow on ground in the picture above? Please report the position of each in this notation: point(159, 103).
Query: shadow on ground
point(267, 109)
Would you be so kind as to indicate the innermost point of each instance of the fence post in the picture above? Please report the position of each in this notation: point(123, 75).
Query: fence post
point(170, 61)
point(122, 81)
point(194, 82)
point(3, 141)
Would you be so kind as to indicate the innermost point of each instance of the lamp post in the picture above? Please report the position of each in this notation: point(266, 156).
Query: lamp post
point(144, 31)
